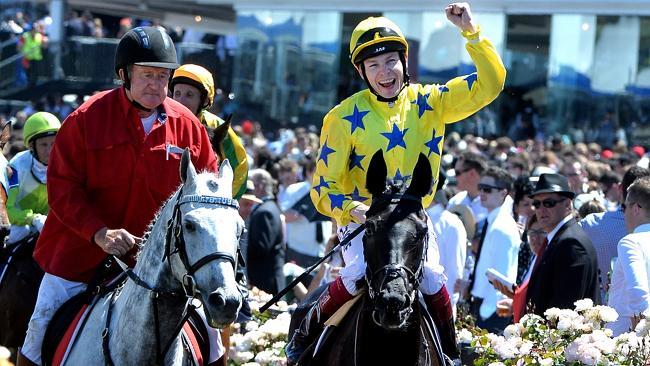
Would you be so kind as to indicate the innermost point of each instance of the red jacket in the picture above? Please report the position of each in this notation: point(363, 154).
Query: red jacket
point(104, 171)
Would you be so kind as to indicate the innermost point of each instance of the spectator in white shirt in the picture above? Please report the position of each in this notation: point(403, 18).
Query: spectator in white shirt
point(468, 168)
point(497, 250)
point(452, 239)
point(630, 293)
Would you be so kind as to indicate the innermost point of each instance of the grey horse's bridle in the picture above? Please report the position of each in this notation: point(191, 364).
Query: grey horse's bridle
point(174, 237)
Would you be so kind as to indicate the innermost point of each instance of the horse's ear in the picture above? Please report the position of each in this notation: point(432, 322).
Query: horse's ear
point(187, 168)
point(225, 171)
point(5, 135)
point(218, 135)
point(422, 178)
point(377, 172)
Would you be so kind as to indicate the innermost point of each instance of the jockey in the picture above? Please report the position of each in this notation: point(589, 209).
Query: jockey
point(193, 86)
point(27, 205)
point(403, 120)
point(115, 161)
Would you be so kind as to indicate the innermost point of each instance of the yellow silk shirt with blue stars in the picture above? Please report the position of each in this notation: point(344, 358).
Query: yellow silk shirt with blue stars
point(355, 129)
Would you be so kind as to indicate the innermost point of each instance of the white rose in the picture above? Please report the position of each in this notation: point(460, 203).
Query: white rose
point(552, 314)
point(642, 328)
point(251, 326)
point(4, 353)
point(464, 336)
point(511, 330)
point(240, 357)
point(546, 362)
point(583, 304)
point(264, 357)
point(607, 314)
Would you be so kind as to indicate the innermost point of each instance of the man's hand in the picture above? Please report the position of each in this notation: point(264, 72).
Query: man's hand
point(503, 289)
point(461, 16)
point(359, 213)
point(38, 221)
point(116, 242)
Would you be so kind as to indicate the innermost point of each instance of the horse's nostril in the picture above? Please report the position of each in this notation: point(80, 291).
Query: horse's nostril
point(218, 299)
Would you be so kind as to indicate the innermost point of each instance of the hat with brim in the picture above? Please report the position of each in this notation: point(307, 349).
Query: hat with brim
point(248, 193)
point(250, 197)
point(553, 183)
point(467, 217)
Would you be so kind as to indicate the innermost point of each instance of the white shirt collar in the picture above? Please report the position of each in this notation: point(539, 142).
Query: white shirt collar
point(435, 210)
point(642, 228)
point(506, 206)
point(550, 235)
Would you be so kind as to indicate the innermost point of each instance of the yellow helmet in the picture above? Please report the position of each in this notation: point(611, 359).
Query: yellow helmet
point(198, 77)
point(374, 36)
point(40, 124)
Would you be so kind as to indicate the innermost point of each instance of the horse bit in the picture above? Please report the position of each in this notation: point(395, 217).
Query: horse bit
point(175, 234)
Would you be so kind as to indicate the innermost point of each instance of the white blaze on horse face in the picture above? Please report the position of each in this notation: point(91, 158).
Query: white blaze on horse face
point(219, 226)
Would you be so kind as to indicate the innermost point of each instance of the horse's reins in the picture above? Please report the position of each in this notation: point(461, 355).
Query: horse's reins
point(174, 234)
point(393, 270)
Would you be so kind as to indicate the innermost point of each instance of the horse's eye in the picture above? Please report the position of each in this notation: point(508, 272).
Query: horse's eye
point(189, 226)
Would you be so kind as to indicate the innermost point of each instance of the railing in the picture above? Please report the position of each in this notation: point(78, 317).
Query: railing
point(89, 59)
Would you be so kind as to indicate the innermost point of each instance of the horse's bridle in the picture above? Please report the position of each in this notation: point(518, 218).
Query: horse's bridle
point(394, 270)
point(174, 237)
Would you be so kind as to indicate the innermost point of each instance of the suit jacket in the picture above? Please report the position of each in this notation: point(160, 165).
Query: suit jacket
point(568, 271)
point(265, 253)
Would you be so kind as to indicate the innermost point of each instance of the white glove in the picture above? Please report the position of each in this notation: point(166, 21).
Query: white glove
point(39, 221)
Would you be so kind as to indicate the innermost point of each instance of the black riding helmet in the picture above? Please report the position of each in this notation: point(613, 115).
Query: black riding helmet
point(145, 46)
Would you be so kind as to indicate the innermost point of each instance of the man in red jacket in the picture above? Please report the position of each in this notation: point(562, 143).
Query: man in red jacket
point(116, 160)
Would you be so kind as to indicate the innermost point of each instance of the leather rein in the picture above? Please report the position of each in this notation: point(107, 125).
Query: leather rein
point(174, 244)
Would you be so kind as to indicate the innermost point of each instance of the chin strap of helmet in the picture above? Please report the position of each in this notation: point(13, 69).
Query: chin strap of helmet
point(127, 86)
point(380, 98)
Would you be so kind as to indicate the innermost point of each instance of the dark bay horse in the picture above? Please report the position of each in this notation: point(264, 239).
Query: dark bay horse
point(388, 326)
point(20, 276)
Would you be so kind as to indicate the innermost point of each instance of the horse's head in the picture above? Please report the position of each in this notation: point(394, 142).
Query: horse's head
point(395, 241)
point(204, 231)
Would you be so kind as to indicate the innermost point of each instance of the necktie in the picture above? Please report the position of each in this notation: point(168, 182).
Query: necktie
point(472, 278)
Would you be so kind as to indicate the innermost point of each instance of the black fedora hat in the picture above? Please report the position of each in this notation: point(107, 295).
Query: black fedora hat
point(553, 183)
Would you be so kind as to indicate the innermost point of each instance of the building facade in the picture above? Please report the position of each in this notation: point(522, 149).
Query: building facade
point(574, 67)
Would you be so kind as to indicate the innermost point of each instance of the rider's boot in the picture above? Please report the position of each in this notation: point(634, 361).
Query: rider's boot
point(334, 296)
point(23, 361)
point(439, 306)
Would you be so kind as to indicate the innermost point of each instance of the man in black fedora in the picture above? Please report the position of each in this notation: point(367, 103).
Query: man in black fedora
point(568, 268)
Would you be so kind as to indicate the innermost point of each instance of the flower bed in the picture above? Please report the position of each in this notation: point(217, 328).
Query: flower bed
point(562, 337)
point(261, 341)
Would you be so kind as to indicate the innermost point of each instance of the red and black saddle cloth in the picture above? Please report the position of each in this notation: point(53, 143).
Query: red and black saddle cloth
point(70, 318)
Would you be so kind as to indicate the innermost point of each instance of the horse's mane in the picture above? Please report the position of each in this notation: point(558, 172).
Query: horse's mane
point(147, 233)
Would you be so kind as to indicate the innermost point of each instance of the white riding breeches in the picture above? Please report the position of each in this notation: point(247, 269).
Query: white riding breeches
point(355, 264)
point(52, 293)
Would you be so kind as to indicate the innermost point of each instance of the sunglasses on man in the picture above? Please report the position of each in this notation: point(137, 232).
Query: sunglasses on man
point(487, 188)
point(548, 203)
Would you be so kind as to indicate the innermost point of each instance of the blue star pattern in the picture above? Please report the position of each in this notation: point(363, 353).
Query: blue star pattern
point(325, 152)
point(355, 160)
point(336, 200)
point(423, 106)
point(321, 184)
point(395, 138)
point(356, 196)
point(356, 119)
point(434, 144)
point(400, 178)
point(471, 78)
